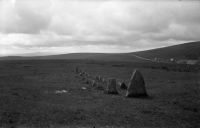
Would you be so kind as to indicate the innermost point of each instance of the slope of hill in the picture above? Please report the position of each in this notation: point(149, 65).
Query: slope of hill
point(80, 56)
point(182, 51)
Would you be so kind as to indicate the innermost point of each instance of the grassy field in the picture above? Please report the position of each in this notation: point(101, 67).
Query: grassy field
point(28, 95)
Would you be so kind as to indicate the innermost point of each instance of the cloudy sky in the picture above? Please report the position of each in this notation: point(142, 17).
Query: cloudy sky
point(40, 27)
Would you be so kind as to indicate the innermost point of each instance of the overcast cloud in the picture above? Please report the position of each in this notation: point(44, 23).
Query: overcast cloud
point(65, 26)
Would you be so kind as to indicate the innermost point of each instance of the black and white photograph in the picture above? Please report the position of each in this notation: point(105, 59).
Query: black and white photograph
point(99, 63)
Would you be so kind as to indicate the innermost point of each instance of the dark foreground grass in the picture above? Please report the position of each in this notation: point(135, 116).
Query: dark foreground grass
point(28, 98)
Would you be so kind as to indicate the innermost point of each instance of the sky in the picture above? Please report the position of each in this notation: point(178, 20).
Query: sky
point(45, 27)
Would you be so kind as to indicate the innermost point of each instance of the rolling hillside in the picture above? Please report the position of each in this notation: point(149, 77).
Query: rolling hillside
point(182, 51)
point(80, 56)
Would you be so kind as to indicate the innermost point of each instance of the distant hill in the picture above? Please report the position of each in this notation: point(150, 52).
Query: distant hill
point(182, 51)
point(81, 56)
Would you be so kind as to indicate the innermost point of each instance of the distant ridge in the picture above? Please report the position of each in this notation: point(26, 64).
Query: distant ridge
point(79, 56)
point(182, 51)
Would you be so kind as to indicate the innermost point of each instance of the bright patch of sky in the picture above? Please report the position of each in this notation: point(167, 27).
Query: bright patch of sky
point(33, 27)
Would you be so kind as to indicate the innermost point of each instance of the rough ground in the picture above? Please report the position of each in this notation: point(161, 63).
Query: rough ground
point(28, 98)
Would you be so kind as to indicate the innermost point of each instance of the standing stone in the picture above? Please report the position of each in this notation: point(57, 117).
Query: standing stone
point(94, 83)
point(99, 86)
point(104, 80)
point(97, 78)
point(123, 85)
point(136, 87)
point(81, 74)
point(86, 74)
point(111, 86)
point(87, 81)
point(76, 70)
point(100, 79)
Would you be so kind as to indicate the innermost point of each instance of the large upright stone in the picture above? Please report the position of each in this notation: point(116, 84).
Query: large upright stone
point(111, 86)
point(136, 87)
point(77, 70)
point(104, 80)
point(98, 78)
point(123, 85)
point(94, 83)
